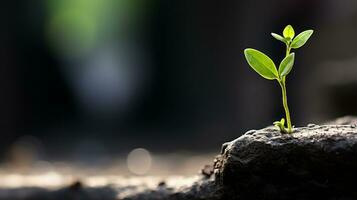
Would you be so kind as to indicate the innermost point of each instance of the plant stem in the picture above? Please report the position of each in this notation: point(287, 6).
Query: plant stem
point(288, 48)
point(283, 90)
point(285, 104)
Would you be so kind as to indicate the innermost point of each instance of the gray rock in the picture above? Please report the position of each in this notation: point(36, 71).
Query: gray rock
point(315, 162)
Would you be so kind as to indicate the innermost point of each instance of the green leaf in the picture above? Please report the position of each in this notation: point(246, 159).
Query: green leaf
point(261, 63)
point(278, 37)
point(289, 32)
point(281, 125)
point(282, 121)
point(301, 39)
point(286, 65)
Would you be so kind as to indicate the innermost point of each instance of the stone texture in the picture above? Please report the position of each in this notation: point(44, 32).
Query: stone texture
point(315, 162)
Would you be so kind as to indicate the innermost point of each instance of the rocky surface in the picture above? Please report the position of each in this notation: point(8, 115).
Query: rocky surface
point(315, 162)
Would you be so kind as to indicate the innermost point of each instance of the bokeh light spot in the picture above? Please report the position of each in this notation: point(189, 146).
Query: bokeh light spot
point(139, 161)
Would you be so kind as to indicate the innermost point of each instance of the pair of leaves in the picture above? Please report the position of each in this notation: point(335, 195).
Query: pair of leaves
point(289, 34)
point(265, 67)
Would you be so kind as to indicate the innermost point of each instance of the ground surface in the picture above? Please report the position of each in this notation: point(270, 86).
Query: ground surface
point(316, 162)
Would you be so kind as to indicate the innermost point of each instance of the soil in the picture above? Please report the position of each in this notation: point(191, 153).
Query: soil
point(315, 162)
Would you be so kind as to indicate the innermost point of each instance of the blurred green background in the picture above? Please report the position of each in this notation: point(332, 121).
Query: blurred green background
point(90, 80)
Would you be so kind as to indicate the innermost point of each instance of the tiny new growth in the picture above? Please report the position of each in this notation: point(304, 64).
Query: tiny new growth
point(266, 68)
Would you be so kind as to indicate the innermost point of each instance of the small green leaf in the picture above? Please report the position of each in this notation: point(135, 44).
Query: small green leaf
point(286, 65)
point(281, 125)
point(282, 121)
point(289, 32)
point(277, 123)
point(261, 63)
point(301, 39)
point(278, 37)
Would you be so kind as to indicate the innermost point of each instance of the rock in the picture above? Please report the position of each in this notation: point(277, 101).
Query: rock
point(315, 162)
point(207, 171)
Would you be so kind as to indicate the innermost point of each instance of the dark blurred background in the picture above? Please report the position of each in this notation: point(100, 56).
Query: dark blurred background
point(84, 79)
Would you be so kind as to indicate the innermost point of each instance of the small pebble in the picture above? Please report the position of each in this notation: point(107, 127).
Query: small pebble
point(353, 126)
point(311, 125)
point(326, 129)
point(77, 185)
point(207, 170)
point(161, 184)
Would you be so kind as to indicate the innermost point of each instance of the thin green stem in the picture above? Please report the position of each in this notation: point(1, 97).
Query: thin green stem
point(285, 104)
point(288, 48)
point(284, 96)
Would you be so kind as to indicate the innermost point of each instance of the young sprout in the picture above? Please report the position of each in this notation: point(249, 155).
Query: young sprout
point(266, 68)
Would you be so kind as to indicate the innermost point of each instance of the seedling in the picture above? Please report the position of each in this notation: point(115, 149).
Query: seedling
point(266, 68)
